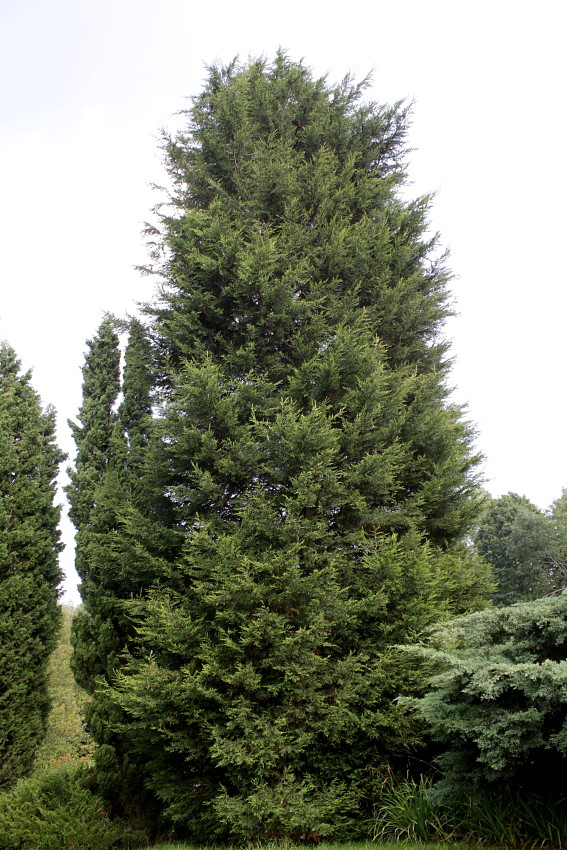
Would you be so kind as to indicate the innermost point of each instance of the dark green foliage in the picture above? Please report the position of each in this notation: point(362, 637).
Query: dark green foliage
point(291, 252)
point(268, 704)
point(135, 412)
point(288, 221)
point(557, 566)
point(524, 547)
point(111, 442)
point(498, 702)
point(314, 482)
point(29, 571)
point(100, 450)
point(95, 435)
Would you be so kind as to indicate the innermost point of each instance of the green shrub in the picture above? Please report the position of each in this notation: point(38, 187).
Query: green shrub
point(498, 700)
point(57, 810)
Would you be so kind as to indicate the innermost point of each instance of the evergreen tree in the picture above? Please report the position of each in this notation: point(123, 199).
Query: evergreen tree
point(110, 473)
point(29, 571)
point(99, 450)
point(557, 568)
point(135, 412)
point(317, 480)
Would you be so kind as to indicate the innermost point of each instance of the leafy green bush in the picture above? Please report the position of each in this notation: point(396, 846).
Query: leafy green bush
point(56, 810)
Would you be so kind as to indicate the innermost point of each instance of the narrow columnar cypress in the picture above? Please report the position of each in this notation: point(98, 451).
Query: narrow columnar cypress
point(317, 480)
point(29, 570)
point(100, 449)
point(109, 480)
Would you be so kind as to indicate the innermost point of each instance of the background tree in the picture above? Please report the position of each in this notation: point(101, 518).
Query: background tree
point(315, 482)
point(558, 567)
point(523, 545)
point(29, 571)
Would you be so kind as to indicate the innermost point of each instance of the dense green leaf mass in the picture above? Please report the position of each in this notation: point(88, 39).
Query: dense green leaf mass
point(526, 547)
point(29, 570)
point(304, 486)
point(499, 700)
point(293, 267)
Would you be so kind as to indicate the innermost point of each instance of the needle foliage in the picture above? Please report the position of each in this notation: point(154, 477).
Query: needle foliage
point(29, 570)
point(307, 482)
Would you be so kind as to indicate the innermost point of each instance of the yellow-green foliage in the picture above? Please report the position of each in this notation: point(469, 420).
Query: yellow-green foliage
point(54, 809)
point(66, 739)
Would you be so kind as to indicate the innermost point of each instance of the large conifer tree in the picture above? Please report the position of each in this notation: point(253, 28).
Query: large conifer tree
point(29, 570)
point(317, 480)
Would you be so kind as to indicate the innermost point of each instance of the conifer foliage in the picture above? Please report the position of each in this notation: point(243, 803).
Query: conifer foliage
point(498, 702)
point(314, 481)
point(111, 437)
point(29, 571)
point(99, 449)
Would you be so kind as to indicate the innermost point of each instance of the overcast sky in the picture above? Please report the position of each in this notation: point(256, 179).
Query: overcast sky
point(87, 84)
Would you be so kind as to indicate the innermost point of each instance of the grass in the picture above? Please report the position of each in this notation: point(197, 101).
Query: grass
point(407, 813)
point(66, 739)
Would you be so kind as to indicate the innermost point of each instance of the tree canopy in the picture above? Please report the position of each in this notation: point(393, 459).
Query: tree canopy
point(525, 546)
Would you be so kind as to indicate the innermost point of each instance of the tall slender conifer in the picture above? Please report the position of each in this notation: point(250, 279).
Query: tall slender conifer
point(29, 570)
point(109, 481)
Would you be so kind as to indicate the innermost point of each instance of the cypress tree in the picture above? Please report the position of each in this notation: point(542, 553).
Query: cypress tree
point(318, 481)
point(110, 478)
point(110, 474)
point(99, 449)
point(136, 408)
point(29, 570)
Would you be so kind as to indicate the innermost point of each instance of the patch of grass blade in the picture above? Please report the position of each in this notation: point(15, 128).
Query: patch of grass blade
point(408, 812)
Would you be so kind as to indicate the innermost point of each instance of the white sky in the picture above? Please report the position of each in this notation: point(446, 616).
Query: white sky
point(86, 85)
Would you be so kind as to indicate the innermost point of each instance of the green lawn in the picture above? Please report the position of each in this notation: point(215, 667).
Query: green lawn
point(66, 740)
